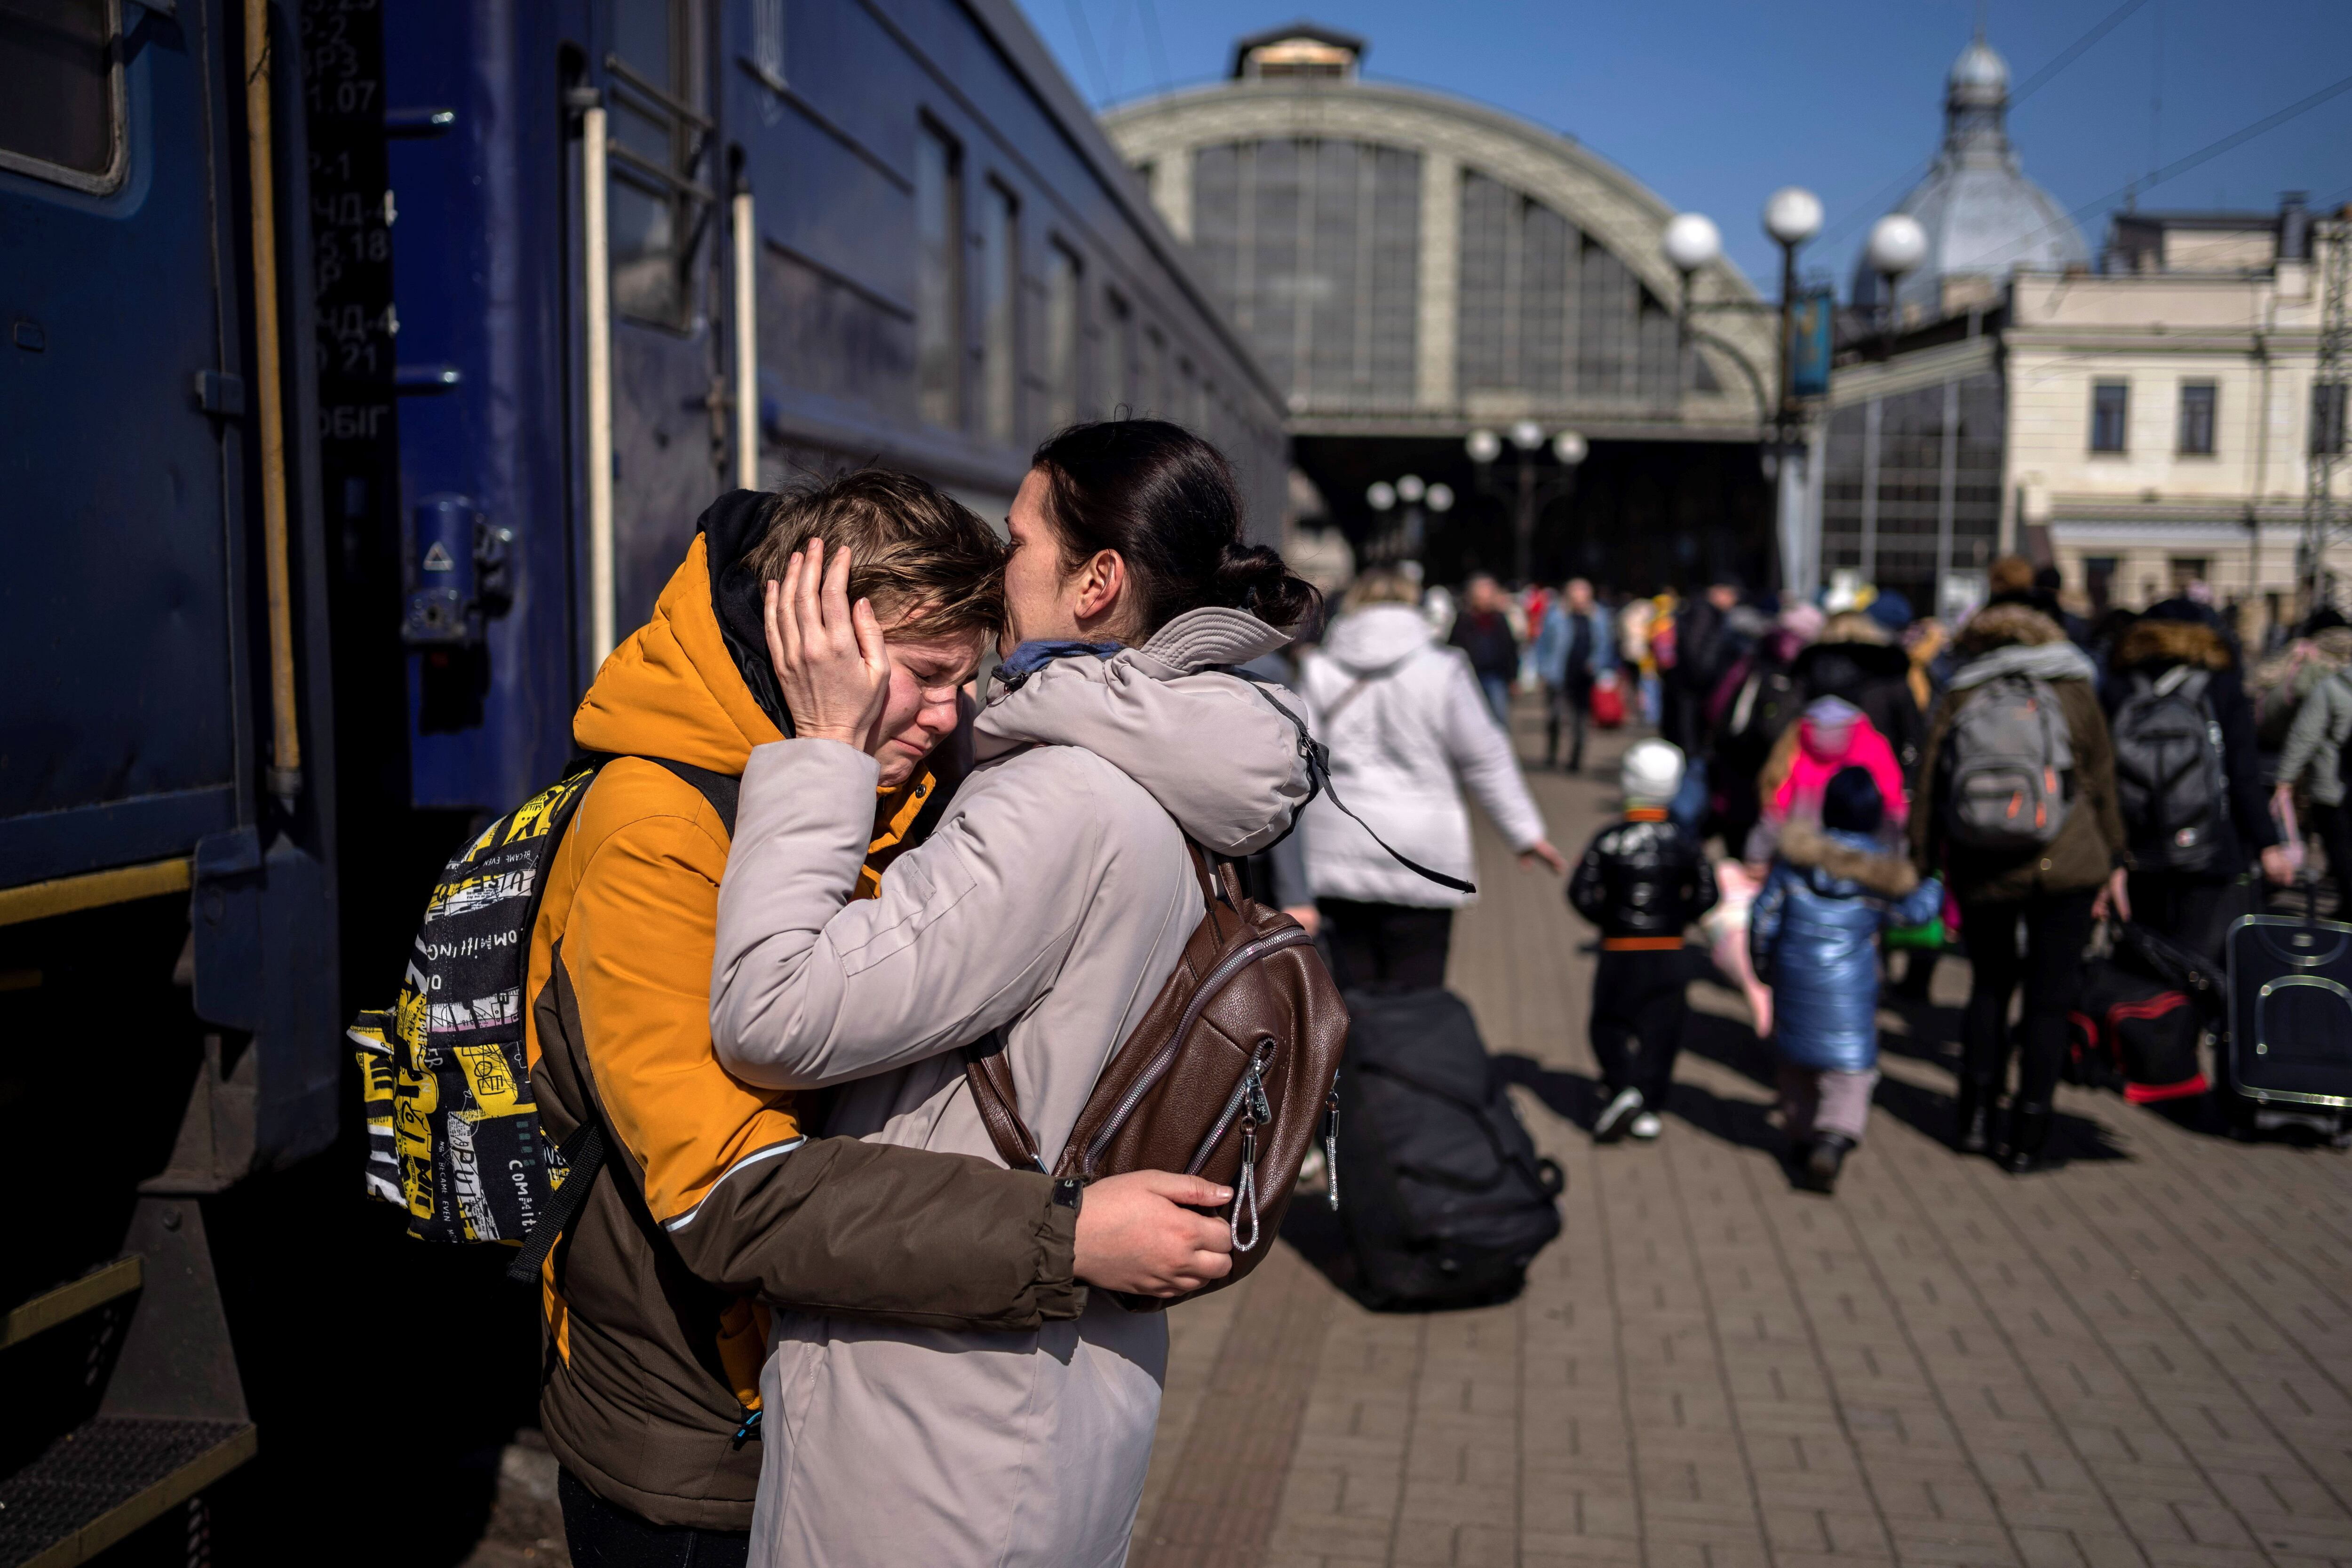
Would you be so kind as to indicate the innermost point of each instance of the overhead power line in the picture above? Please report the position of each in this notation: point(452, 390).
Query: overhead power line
point(2179, 166)
point(1158, 45)
point(1086, 47)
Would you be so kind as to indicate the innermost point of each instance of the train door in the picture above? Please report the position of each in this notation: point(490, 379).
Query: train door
point(664, 232)
point(119, 733)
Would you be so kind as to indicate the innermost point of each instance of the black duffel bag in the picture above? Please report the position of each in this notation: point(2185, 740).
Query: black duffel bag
point(2136, 1025)
point(1443, 1198)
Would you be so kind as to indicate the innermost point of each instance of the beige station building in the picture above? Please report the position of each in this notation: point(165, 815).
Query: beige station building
point(2154, 415)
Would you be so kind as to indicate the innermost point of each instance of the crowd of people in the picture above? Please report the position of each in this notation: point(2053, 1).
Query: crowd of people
point(2005, 788)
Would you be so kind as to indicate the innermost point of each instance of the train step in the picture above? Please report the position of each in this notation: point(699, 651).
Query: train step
point(71, 1300)
point(96, 1484)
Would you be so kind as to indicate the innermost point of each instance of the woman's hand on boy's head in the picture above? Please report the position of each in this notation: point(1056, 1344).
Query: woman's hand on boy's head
point(828, 654)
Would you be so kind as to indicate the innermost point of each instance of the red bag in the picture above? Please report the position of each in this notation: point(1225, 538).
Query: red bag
point(1608, 702)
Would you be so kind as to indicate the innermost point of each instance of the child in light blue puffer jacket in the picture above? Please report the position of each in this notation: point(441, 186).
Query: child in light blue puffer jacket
point(1813, 933)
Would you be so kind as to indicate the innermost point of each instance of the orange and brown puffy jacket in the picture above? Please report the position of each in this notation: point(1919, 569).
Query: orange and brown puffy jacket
point(717, 1204)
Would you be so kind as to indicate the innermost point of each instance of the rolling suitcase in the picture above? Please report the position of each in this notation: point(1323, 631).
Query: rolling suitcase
point(2291, 1016)
point(1443, 1199)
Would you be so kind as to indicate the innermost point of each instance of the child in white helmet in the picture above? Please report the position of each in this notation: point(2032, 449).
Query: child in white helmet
point(1642, 882)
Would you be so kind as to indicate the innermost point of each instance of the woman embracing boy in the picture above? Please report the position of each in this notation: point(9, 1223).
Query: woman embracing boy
point(1051, 902)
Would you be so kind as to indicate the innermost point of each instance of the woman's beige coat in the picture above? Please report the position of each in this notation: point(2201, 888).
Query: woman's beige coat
point(1053, 900)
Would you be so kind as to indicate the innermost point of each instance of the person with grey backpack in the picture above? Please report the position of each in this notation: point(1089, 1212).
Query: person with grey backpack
point(2018, 813)
point(2187, 779)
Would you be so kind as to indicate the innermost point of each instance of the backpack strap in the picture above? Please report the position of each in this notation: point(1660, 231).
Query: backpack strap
point(1318, 757)
point(989, 1077)
point(994, 1095)
point(584, 1153)
point(723, 791)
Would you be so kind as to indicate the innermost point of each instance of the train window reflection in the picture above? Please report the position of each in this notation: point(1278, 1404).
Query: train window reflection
point(61, 91)
point(999, 292)
point(1061, 336)
point(939, 283)
point(1114, 387)
point(656, 142)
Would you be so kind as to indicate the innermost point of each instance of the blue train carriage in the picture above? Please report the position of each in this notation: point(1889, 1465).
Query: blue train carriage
point(168, 958)
point(649, 249)
point(337, 526)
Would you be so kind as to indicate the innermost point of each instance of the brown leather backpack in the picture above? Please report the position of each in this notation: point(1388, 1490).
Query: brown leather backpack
point(1226, 1076)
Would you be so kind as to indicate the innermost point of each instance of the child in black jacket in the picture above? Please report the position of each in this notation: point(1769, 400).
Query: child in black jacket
point(1642, 882)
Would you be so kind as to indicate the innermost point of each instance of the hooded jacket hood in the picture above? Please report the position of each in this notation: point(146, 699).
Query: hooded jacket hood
point(1215, 752)
point(2163, 642)
point(676, 688)
point(1378, 635)
point(2001, 625)
point(2045, 661)
point(1846, 857)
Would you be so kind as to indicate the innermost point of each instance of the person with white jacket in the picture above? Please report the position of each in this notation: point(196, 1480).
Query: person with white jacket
point(1408, 731)
point(1052, 901)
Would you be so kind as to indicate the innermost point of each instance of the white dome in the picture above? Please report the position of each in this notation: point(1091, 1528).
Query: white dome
point(1981, 217)
point(1980, 70)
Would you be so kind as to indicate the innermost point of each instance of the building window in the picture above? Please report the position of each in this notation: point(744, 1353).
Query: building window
point(2110, 406)
point(2099, 581)
point(1113, 390)
point(1517, 278)
point(61, 93)
point(939, 278)
point(658, 141)
point(2197, 418)
point(1062, 276)
point(1315, 246)
point(999, 299)
point(2188, 569)
point(2328, 417)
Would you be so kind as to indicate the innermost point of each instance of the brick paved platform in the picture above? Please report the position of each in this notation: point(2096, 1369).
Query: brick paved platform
point(2140, 1358)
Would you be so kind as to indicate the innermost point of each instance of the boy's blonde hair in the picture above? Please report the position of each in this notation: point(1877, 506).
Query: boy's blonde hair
point(914, 550)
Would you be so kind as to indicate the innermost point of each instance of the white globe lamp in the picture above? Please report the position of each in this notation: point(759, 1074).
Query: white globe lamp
point(1380, 495)
point(1526, 434)
point(1483, 446)
point(1792, 214)
point(1568, 448)
point(1409, 490)
point(1897, 244)
point(1441, 498)
point(1692, 241)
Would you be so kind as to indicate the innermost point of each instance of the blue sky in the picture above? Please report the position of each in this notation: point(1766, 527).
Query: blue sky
point(1714, 103)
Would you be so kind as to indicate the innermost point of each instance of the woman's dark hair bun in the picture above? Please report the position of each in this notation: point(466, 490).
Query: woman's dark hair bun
point(1164, 500)
point(1252, 577)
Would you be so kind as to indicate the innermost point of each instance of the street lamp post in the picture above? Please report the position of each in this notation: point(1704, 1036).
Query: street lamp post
point(1567, 450)
point(1897, 244)
point(1406, 540)
point(1791, 216)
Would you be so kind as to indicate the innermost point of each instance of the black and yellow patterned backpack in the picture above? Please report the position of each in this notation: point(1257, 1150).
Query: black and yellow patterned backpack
point(453, 1134)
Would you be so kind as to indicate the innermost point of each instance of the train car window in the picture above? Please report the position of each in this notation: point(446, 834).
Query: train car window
point(657, 202)
point(1062, 275)
point(61, 91)
point(939, 281)
point(1115, 387)
point(999, 299)
point(1154, 390)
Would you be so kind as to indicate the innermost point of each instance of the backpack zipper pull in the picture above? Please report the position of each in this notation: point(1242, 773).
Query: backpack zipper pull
point(1332, 1143)
point(1245, 1190)
point(1255, 1113)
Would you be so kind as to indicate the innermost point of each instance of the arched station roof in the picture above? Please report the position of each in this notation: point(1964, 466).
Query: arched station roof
point(1409, 262)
